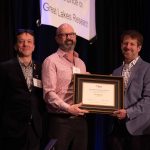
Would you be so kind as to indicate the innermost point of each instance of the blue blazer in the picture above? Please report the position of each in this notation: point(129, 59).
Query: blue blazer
point(137, 98)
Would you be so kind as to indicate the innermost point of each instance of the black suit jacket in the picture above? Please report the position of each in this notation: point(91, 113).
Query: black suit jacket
point(17, 104)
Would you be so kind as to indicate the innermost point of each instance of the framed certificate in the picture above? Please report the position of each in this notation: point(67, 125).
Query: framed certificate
point(99, 93)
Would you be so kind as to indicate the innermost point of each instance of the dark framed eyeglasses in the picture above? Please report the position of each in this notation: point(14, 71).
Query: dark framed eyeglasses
point(20, 31)
point(65, 35)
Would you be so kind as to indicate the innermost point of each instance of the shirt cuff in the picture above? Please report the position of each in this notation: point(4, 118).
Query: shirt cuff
point(65, 106)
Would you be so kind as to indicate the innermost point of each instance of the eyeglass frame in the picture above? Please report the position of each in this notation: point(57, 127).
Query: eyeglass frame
point(71, 34)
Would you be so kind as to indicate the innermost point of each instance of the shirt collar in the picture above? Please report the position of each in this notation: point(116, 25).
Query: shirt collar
point(132, 63)
point(62, 53)
point(22, 64)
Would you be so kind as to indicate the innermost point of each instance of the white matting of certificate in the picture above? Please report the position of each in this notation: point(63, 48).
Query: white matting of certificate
point(98, 94)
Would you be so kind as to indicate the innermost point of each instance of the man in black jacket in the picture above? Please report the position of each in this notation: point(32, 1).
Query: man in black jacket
point(21, 97)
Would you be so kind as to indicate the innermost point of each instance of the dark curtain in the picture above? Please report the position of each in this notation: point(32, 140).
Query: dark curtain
point(6, 29)
point(101, 57)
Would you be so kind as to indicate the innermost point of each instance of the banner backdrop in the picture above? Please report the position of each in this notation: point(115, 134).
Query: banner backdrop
point(79, 13)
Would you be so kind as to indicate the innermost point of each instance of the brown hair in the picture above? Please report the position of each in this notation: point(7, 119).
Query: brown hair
point(20, 31)
point(133, 34)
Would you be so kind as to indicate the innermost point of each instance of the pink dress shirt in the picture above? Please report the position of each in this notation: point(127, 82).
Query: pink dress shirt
point(57, 78)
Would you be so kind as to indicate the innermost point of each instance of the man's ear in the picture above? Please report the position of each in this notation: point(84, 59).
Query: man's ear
point(139, 48)
point(34, 48)
point(16, 48)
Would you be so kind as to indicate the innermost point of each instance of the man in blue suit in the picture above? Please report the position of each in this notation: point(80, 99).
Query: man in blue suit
point(131, 130)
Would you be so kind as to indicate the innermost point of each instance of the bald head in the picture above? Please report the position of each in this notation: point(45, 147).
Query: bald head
point(64, 28)
point(66, 37)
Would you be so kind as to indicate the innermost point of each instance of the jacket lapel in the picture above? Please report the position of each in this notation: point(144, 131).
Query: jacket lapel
point(19, 72)
point(134, 71)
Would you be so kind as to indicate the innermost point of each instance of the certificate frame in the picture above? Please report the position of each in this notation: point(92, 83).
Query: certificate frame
point(99, 93)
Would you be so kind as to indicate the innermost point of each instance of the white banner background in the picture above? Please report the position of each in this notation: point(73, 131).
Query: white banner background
point(79, 13)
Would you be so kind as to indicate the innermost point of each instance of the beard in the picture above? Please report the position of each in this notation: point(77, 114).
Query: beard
point(68, 45)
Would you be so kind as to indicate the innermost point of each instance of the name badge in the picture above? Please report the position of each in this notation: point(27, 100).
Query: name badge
point(76, 70)
point(37, 83)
